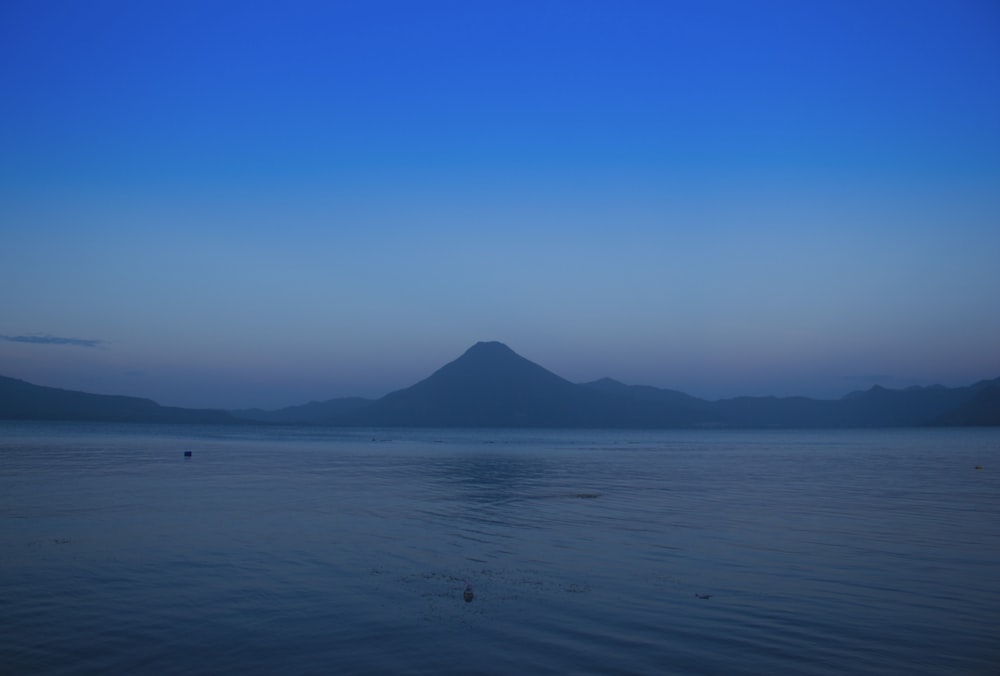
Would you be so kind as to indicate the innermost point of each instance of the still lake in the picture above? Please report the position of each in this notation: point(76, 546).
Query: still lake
point(311, 551)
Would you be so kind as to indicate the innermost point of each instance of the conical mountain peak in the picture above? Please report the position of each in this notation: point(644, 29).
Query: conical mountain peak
point(489, 345)
point(493, 348)
point(493, 364)
point(489, 385)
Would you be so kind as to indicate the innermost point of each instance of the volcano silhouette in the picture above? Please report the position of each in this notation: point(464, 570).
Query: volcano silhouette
point(489, 386)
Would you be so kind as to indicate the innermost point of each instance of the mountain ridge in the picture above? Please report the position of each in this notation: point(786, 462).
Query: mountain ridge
point(490, 385)
point(21, 400)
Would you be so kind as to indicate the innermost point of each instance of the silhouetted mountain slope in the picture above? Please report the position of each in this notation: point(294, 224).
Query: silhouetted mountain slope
point(492, 386)
point(777, 412)
point(20, 400)
point(313, 413)
point(488, 386)
point(876, 407)
point(657, 407)
point(881, 407)
point(981, 409)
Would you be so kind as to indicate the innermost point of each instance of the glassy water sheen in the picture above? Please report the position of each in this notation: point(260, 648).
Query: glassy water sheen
point(299, 551)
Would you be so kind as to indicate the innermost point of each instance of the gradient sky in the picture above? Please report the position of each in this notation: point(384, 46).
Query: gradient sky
point(260, 204)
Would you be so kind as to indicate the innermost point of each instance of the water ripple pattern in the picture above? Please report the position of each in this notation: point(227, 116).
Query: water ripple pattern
point(303, 550)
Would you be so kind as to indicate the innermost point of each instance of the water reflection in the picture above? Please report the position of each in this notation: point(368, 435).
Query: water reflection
point(348, 555)
point(488, 479)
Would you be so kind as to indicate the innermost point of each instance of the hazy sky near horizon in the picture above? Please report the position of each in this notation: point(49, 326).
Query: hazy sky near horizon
point(261, 203)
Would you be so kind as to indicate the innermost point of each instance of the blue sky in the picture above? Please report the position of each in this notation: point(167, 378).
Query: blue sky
point(260, 204)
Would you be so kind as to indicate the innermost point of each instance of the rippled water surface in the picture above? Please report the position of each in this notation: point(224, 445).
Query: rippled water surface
point(300, 551)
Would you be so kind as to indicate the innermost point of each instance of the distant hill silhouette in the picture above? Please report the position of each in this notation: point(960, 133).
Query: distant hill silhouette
point(20, 400)
point(313, 413)
point(492, 386)
point(981, 409)
point(647, 406)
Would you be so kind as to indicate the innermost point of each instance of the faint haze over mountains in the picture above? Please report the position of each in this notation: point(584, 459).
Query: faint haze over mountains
point(491, 386)
point(255, 204)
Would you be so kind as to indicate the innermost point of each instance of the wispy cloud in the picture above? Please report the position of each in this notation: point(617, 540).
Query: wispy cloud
point(45, 339)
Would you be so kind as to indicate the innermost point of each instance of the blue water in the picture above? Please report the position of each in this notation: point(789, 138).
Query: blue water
point(302, 551)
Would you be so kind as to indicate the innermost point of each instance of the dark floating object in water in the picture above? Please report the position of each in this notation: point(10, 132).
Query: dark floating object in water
point(703, 596)
point(187, 454)
point(979, 466)
point(586, 496)
point(467, 594)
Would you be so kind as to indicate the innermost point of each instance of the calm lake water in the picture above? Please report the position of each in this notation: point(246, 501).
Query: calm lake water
point(304, 551)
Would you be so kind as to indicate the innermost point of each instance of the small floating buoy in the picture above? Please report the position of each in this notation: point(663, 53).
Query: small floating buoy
point(187, 454)
point(467, 594)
